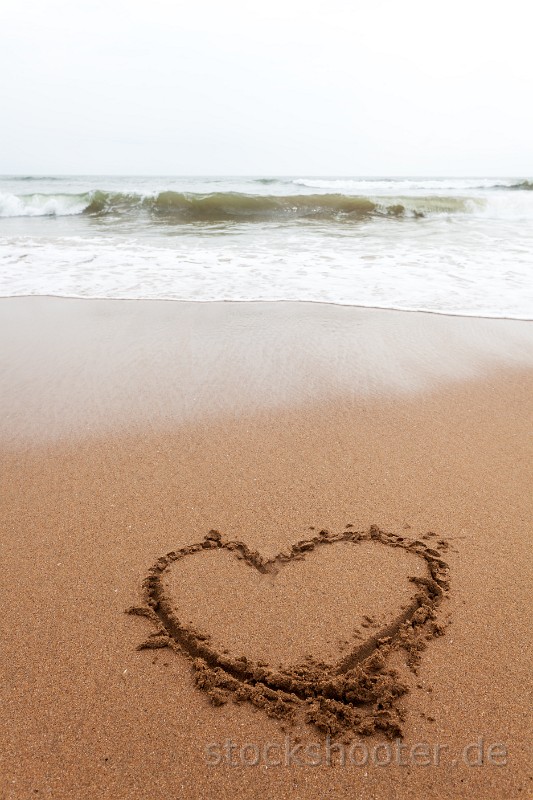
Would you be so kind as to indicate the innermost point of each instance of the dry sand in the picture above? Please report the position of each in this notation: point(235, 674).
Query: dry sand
point(130, 430)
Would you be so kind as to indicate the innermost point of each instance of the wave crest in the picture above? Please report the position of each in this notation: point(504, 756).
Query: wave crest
point(525, 186)
point(171, 207)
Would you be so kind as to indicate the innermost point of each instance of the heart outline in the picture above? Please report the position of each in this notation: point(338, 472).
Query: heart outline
point(328, 686)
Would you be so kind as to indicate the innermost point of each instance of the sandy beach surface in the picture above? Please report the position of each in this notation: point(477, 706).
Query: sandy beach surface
point(338, 453)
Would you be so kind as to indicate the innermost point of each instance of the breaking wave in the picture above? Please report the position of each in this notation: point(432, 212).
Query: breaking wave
point(525, 186)
point(172, 207)
point(235, 207)
point(180, 207)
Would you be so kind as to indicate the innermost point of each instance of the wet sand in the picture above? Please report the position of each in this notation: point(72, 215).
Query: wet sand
point(131, 430)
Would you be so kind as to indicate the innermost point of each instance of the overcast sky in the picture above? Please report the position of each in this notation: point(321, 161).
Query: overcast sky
point(331, 87)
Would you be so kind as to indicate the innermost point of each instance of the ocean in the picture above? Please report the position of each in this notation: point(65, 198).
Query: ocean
point(454, 246)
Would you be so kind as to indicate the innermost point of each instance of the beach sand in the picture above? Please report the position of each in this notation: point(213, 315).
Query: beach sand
point(130, 430)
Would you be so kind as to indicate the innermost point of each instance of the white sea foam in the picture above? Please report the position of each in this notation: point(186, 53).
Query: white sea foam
point(362, 273)
point(41, 205)
point(395, 186)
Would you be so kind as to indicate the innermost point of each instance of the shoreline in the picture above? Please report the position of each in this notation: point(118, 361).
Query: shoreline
point(335, 304)
point(130, 432)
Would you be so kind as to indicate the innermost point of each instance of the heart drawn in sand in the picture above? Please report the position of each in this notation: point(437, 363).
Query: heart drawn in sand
point(313, 629)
